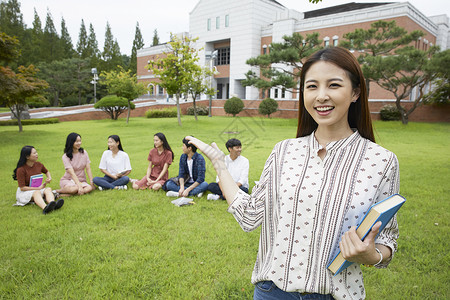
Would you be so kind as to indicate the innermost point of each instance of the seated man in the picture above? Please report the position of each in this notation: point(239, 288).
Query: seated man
point(238, 167)
point(191, 177)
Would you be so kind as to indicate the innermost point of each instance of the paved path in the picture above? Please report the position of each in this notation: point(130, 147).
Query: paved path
point(54, 112)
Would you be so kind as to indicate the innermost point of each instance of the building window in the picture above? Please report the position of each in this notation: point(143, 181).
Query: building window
point(208, 25)
point(276, 93)
point(326, 42)
point(283, 93)
point(264, 49)
point(223, 56)
point(217, 22)
point(335, 41)
point(227, 20)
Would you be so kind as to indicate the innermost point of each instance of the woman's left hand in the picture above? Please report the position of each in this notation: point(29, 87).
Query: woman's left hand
point(355, 250)
point(212, 152)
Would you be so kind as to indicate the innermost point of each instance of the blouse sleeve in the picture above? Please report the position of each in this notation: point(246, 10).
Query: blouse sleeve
point(21, 177)
point(169, 158)
point(390, 185)
point(248, 210)
point(127, 162)
point(102, 164)
point(66, 161)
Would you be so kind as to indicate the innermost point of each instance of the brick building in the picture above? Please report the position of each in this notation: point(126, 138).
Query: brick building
point(236, 30)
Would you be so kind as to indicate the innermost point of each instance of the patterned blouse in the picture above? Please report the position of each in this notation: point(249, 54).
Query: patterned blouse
point(305, 204)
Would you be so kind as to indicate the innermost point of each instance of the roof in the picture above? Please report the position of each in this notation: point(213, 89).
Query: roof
point(276, 2)
point(342, 8)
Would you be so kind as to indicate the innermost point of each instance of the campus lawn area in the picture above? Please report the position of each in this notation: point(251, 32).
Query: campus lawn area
point(136, 244)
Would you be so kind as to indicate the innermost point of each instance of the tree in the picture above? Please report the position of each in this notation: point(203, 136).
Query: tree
point(233, 106)
point(111, 51)
point(197, 85)
point(11, 23)
point(409, 68)
point(17, 88)
point(66, 46)
point(155, 40)
point(36, 49)
point(113, 106)
point(82, 41)
point(92, 51)
point(138, 43)
point(282, 65)
point(174, 68)
point(439, 65)
point(382, 38)
point(268, 106)
point(51, 50)
point(123, 84)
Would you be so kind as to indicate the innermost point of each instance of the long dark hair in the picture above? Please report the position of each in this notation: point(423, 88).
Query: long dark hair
point(166, 145)
point(358, 112)
point(71, 139)
point(117, 139)
point(26, 151)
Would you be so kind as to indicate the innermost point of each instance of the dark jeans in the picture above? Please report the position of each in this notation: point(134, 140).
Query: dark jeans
point(215, 189)
point(107, 182)
point(267, 290)
point(172, 186)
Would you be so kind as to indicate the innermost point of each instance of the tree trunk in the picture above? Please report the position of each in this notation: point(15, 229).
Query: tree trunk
point(195, 108)
point(403, 114)
point(178, 109)
point(129, 111)
point(18, 115)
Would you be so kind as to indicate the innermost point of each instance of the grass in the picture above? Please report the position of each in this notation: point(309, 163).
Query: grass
point(136, 244)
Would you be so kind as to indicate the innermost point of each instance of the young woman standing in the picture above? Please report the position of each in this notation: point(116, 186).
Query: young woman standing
point(316, 188)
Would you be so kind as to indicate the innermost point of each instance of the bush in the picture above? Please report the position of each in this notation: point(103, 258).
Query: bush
point(268, 106)
point(389, 113)
point(161, 113)
point(113, 105)
point(233, 106)
point(72, 100)
point(29, 122)
point(201, 110)
point(38, 101)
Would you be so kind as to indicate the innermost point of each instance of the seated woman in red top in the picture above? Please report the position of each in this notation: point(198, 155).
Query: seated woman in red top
point(160, 157)
point(27, 192)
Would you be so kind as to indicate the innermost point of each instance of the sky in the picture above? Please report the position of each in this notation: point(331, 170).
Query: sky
point(166, 16)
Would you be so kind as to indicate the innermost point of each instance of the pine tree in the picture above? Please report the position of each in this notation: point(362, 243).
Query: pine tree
point(34, 52)
point(66, 45)
point(111, 51)
point(82, 41)
point(11, 19)
point(155, 38)
point(51, 49)
point(138, 43)
point(92, 51)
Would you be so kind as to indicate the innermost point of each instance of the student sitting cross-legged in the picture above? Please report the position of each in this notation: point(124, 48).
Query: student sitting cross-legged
point(238, 167)
point(191, 177)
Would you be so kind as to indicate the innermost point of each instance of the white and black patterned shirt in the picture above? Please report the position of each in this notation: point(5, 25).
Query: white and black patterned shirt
point(305, 204)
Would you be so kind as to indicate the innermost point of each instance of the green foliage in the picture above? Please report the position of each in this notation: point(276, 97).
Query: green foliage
point(233, 106)
point(201, 110)
point(268, 106)
point(138, 43)
point(9, 47)
point(72, 100)
point(175, 68)
point(389, 113)
point(37, 101)
point(439, 65)
point(112, 244)
point(161, 113)
point(155, 40)
point(30, 122)
point(113, 105)
point(111, 55)
point(292, 52)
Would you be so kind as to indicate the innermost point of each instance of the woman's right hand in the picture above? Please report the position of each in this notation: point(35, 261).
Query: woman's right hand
point(80, 189)
point(212, 152)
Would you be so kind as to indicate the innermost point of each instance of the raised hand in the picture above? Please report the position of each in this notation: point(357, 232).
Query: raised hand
point(212, 152)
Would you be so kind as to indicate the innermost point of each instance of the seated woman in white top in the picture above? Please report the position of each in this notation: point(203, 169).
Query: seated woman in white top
point(115, 164)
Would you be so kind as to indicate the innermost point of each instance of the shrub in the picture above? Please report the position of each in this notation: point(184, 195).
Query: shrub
point(113, 105)
point(161, 113)
point(389, 113)
point(201, 110)
point(72, 100)
point(233, 106)
point(268, 106)
point(38, 101)
point(29, 122)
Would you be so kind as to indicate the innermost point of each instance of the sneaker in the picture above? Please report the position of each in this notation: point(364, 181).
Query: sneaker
point(213, 197)
point(133, 180)
point(172, 194)
point(59, 204)
point(200, 195)
point(100, 188)
point(49, 208)
point(124, 187)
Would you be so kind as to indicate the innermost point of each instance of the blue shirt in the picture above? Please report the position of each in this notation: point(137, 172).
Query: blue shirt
point(198, 167)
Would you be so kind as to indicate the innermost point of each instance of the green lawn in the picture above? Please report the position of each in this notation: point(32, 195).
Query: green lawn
point(136, 244)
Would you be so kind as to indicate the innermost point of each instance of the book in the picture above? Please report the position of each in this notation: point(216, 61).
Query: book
point(36, 180)
point(382, 211)
point(183, 201)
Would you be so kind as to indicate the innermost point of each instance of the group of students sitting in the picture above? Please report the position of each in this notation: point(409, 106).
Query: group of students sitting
point(116, 167)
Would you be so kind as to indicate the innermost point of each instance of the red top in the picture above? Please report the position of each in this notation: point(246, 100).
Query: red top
point(25, 172)
point(158, 161)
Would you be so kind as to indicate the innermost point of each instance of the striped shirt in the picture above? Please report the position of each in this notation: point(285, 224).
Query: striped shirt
point(305, 204)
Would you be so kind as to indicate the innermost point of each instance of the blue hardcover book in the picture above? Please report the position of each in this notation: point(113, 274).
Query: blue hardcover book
point(382, 211)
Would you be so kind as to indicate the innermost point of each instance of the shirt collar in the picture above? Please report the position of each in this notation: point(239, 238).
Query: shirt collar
point(314, 144)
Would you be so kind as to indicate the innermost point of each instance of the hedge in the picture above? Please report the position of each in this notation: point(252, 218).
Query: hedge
point(29, 122)
point(161, 113)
